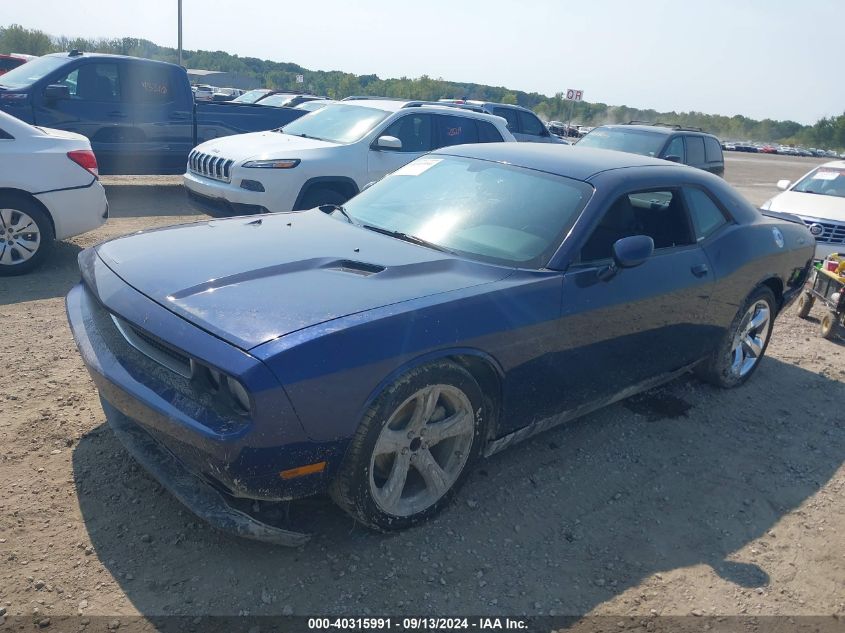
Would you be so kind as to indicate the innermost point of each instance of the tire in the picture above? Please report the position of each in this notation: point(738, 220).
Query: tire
point(734, 361)
point(828, 325)
point(387, 480)
point(32, 235)
point(317, 196)
point(805, 304)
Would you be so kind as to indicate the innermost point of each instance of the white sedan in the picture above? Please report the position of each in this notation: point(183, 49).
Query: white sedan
point(49, 190)
point(819, 199)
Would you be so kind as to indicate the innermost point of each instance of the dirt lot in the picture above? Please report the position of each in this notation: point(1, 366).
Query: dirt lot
point(684, 501)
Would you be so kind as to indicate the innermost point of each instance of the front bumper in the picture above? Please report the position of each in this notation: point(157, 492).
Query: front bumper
point(200, 497)
point(211, 194)
point(241, 457)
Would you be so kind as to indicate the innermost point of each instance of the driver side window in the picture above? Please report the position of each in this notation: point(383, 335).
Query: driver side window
point(660, 214)
point(93, 82)
point(414, 131)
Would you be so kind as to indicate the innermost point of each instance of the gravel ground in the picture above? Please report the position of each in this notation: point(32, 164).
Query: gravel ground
point(686, 500)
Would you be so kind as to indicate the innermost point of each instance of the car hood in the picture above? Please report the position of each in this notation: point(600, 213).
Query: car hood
point(257, 145)
point(251, 280)
point(810, 205)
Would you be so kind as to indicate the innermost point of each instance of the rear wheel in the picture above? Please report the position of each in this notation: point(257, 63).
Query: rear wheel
point(828, 325)
point(413, 448)
point(805, 304)
point(316, 197)
point(26, 236)
point(744, 344)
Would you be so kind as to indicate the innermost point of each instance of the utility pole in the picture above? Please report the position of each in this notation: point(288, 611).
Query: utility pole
point(180, 32)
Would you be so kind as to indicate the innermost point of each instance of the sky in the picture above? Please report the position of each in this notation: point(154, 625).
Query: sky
point(776, 59)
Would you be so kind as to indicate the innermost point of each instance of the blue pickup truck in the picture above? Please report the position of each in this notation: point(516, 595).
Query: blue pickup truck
point(139, 114)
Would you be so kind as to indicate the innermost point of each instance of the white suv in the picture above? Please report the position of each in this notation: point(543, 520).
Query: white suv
point(328, 156)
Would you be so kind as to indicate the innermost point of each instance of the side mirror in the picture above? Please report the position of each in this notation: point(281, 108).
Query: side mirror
point(388, 142)
point(629, 252)
point(55, 92)
point(672, 158)
point(783, 184)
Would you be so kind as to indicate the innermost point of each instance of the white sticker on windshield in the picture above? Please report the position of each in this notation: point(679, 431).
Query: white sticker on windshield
point(417, 167)
point(826, 175)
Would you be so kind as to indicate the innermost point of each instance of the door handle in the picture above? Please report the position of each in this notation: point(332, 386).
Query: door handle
point(700, 270)
point(117, 115)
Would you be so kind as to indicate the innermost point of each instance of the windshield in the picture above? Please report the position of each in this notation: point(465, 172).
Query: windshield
point(250, 97)
point(624, 140)
point(27, 74)
point(488, 211)
point(277, 100)
point(827, 181)
point(313, 106)
point(337, 123)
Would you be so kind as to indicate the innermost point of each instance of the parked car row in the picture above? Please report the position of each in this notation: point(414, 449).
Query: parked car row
point(787, 150)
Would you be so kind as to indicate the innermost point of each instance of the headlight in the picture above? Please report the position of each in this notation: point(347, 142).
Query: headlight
point(222, 384)
point(274, 163)
point(766, 205)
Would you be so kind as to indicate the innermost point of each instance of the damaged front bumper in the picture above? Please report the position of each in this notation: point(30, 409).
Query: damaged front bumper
point(197, 495)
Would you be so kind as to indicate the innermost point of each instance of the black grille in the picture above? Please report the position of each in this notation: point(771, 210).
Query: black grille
point(215, 167)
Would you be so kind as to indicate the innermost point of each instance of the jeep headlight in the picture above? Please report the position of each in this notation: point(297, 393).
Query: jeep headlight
point(273, 163)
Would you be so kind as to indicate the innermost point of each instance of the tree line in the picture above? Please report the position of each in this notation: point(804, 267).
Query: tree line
point(827, 133)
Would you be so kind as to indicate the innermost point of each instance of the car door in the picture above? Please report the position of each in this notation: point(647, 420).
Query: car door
point(675, 148)
point(643, 322)
point(162, 120)
point(416, 132)
point(95, 106)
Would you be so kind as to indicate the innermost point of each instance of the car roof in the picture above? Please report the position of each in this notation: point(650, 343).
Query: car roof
point(82, 54)
point(657, 129)
point(395, 105)
point(580, 163)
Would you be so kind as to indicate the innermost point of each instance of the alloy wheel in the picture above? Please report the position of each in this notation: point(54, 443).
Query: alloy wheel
point(20, 237)
point(422, 450)
point(750, 338)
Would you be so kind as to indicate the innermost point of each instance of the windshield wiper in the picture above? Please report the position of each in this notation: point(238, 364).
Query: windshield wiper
point(337, 207)
point(413, 239)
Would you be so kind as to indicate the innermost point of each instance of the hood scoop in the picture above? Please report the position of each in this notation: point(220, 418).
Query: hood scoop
point(362, 269)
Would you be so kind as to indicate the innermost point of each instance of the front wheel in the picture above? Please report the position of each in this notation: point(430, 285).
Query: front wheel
point(316, 197)
point(26, 236)
point(744, 344)
point(413, 448)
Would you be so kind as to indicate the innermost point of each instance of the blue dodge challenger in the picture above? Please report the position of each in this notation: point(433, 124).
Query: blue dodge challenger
point(375, 351)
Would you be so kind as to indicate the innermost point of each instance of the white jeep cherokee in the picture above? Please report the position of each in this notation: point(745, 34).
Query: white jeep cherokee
point(327, 156)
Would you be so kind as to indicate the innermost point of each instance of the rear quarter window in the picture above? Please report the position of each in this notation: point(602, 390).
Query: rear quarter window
point(455, 130)
point(487, 133)
point(712, 150)
point(150, 83)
